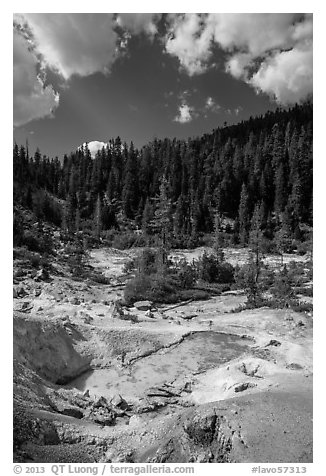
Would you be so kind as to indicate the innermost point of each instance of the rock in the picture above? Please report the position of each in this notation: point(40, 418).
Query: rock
point(188, 387)
point(37, 292)
point(19, 291)
point(244, 386)
point(75, 301)
point(294, 366)
point(274, 342)
point(143, 305)
point(205, 457)
point(202, 429)
point(70, 411)
point(86, 394)
point(104, 418)
point(149, 314)
point(100, 412)
point(118, 402)
point(135, 421)
point(191, 316)
point(101, 402)
point(42, 275)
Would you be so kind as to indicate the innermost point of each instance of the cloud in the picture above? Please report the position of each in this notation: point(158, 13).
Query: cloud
point(139, 22)
point(236, 65)
point(185, 114)
point(32, 99)
point(254, 33)
point(262, 49)
point(73, 43)
point(211, 105)
point(287, 75)
point(189, 42)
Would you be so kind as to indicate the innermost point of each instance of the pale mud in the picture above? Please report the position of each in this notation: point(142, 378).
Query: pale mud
point(260, 358)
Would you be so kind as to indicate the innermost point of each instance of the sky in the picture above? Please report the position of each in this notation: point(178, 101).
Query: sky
point(90, 77)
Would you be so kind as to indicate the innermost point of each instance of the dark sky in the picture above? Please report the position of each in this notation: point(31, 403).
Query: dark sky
point(138, 99)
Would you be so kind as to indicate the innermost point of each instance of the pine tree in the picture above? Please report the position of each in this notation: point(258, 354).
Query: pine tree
point(218, 239)
point(148, 215)
point(162, 220)
point(98, 218)
point(256, 240)
point(243, 215)
point(130, 192)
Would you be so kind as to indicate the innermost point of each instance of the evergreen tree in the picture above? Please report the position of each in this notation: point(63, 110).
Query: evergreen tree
point(243, 215)
point(162, 220)
point(256, 240)
point(98, 218)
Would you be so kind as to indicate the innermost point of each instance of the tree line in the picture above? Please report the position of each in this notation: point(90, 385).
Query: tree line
point(257, 170)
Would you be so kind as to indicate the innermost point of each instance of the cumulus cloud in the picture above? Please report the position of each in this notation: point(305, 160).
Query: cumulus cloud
point(69, 44)
point(32, 99)
point(74, 43)
point(189, 41)
point(236, 65)
point(185, 114)
point(139, 22)
point(286, 75)
point(262, 49)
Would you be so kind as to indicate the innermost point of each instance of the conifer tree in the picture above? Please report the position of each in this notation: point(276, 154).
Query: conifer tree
point(243, 215)
point(98, 218)
point(162, 220)
point(256, 240)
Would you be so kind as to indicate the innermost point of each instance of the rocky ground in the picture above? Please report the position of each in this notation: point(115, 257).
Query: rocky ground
point(188, 383)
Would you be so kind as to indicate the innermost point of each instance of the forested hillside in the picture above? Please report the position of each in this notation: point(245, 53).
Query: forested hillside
point(191, 187)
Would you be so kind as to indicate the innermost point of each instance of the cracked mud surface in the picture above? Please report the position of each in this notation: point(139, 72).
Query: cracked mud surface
point(217, 388)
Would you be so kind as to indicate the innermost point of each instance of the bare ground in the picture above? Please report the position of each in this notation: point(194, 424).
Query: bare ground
point(246, 403)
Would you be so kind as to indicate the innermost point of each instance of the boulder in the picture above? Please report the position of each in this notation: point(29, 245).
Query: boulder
point(42, 275)
point(149, 314)
point(244, 386)
point(143, 305)
point(274, 343)
point(118, 402)
point(100, 412)
point(103, 418)
point(101, 403)
point(70, 411)
point(75, 301)
point(19, 291)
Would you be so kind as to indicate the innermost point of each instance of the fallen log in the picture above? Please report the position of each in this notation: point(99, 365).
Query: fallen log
point(184, 303)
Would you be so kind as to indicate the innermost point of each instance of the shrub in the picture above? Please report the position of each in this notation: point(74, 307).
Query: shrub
point(304, 291)
point(127, 240)
point(246, 280)
point(186, 274)
point(305, 247)
point(145, 262)
point(299, 306)
point(282, 289)
point(99, 278)
point(213, 269)
point(137, 289)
